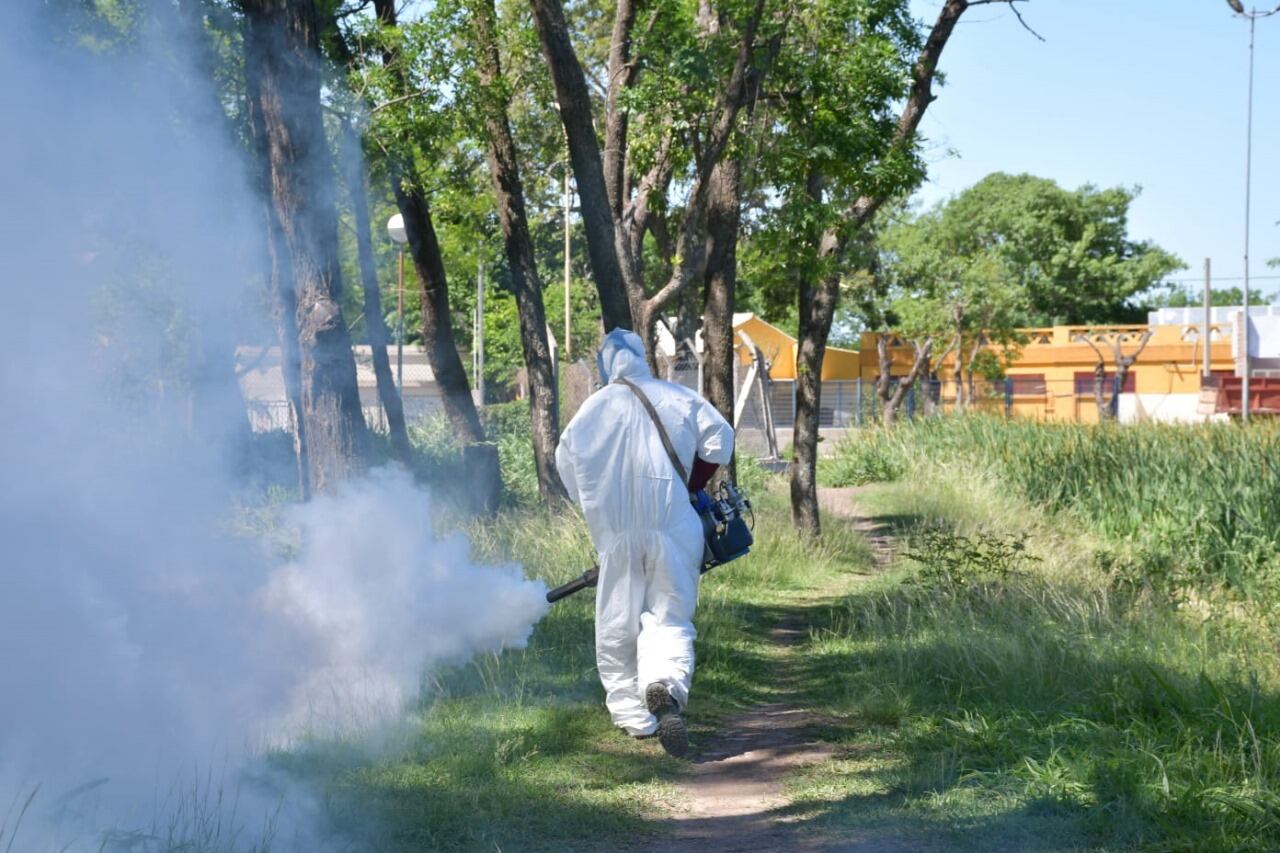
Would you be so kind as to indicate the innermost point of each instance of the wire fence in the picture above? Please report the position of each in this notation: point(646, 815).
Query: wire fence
point(843, 404)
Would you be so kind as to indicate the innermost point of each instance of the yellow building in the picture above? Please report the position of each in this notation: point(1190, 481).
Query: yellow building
point(780, 350)
point(1051, 374)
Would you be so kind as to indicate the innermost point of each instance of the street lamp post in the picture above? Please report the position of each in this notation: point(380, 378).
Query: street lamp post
point(395, 230)
point(1252, 16)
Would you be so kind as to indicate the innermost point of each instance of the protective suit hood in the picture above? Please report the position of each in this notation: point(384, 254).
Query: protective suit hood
point(622, 355)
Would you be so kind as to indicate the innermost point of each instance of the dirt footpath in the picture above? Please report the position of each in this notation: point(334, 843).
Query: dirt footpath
point(735, 797)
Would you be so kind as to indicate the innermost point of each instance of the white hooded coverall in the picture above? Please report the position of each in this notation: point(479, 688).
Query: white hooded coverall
point(648, 537)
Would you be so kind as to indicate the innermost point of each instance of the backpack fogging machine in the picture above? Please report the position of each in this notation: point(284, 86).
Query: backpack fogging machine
point(726, 534)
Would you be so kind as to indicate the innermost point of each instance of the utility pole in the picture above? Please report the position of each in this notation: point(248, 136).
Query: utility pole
point(1208, 318)
point(1248, 192)
point(568, 245)
point(1252, 16)
point(477, 355)
point(395, 230)
point(400, 328)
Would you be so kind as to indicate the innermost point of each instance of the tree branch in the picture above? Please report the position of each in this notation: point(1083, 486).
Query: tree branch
point(622, 74)
point(921, 95)
point(1016, 11)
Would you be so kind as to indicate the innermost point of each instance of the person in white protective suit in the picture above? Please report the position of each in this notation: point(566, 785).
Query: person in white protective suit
point(647, 535)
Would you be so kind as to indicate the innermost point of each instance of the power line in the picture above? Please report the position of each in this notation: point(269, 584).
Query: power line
point(1218, 278)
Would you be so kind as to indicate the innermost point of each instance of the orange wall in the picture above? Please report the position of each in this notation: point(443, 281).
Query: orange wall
point(1169, 364)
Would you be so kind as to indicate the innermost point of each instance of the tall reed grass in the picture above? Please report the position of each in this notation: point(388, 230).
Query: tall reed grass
point(1184, 505)
point(1035, 694)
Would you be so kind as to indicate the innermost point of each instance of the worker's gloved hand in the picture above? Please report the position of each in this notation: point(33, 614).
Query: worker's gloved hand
point(701, 501)
point(701, 474)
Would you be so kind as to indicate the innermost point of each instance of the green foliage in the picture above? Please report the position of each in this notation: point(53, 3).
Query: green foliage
point(1183, 296)
point(842, 68)
point(438, 456)
point(508, 426)
point(946, 283)
point(1199, 505)
point(1066, 256)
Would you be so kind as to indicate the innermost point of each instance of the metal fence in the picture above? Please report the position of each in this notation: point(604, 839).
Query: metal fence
point(271, 415)
point(844, 403)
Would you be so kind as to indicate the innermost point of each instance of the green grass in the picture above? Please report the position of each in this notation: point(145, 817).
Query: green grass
point(1011, 688)
point(1031, 679)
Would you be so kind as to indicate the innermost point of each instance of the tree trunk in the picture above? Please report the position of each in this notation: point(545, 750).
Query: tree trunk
point(921, 364)
point(282, 38)
point(280, 273)
point(884, 377)
point(622, 73)
point(1099, 391)
point(691, 243)
point(970, 395)
point(480, 456)
point(1123, 363)
point(379, 337)
point(817, 305)
point(608, 261)
point(442, 350)
point(723, 224)
point(817, 308)
point(504, 170)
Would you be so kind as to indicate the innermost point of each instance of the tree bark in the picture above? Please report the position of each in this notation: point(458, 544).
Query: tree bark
point(282, 40)
point(690, 247)
point(817, 303)
point(894, 403)
point(622, 73)
point(884, 374)
point(723, 224)
point(817, 308)
point(379, 337)
point(1107, 405)
point(1123, 363)
point(480, 456)
point(504, 170)
point(280, 273)
point(604, 246)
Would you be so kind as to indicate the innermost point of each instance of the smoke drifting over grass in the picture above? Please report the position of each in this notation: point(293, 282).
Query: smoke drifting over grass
point(146, 653)
point(382, 601)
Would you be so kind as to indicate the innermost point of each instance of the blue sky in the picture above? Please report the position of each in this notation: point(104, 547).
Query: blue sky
point(1122, 92)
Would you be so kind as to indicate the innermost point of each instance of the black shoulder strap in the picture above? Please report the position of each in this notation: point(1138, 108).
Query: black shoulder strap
point(657, 422)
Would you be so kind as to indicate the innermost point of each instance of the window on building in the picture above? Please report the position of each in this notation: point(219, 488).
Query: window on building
point(1084, 383)
point(1027, 385)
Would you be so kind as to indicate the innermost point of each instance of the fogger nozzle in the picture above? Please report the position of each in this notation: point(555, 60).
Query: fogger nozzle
point(588, 578)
